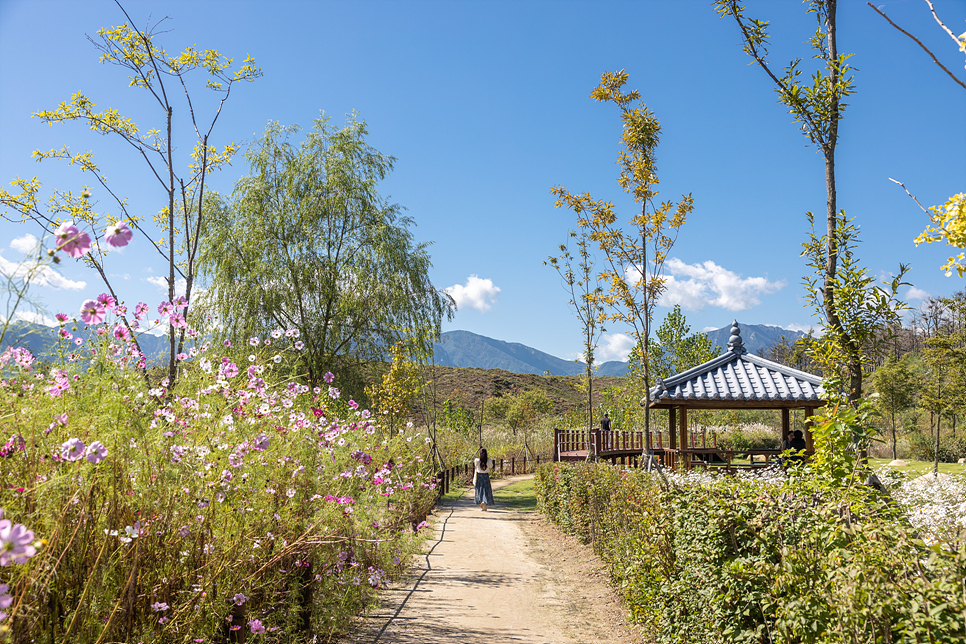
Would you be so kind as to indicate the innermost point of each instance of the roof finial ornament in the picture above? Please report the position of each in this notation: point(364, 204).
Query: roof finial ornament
point(735, 343)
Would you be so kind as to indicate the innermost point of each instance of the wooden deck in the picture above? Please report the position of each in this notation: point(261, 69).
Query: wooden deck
point(628, 449)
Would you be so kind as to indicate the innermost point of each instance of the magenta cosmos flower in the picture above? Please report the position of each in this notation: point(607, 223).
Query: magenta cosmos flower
point(140, 310)
point(72, 449)
point(96, 452)
point(71, 240)
point(92, 312)
point(256, 626)
point(118, 234)
point(15, 543)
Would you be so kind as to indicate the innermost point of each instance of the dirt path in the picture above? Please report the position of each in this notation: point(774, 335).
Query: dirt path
point(498, 576)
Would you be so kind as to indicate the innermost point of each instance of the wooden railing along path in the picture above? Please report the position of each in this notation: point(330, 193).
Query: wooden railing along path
point(628, 448)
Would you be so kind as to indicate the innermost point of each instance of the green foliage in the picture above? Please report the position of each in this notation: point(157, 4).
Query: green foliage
point(951, 448)
point(866, 312)
point(895, 387)
point(757, 560)
point(676, 349)
point(308, 243)
point(842, 433)
point(456, 416)
point(740, 438)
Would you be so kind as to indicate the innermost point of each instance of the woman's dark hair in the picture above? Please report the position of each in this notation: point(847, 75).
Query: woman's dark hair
point(484, 460)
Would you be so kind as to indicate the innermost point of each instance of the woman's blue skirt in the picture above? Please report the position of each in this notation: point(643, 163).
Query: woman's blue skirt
point(484, 493)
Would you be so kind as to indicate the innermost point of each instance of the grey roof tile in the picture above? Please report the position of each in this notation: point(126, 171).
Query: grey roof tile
point(738, 375)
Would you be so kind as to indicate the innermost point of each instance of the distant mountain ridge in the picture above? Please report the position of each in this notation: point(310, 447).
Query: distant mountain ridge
point(470, 350)
point(42, 341)
point(467, 349)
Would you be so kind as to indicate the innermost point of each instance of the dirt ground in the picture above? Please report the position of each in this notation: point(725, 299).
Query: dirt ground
point(498, 576)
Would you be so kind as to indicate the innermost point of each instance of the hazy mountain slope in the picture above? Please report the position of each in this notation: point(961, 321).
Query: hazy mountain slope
point(757, 338)
point(466, 349)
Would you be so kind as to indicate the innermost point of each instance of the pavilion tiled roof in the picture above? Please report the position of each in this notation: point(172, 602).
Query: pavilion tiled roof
point(737, 376)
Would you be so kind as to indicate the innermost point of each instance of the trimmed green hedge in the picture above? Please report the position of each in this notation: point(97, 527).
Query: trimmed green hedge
point(746, 560)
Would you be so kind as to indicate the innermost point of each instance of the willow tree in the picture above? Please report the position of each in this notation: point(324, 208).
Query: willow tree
point(306, 242)
point(634, 253)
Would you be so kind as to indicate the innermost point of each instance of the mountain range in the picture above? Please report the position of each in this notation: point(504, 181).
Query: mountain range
point(455, 349)
point(466, 349)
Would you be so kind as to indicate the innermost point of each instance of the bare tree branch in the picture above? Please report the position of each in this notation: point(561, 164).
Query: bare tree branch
point(924, 48)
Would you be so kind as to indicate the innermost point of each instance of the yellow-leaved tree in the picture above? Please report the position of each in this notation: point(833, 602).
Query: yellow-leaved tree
point(634, 253)
point(178, 226)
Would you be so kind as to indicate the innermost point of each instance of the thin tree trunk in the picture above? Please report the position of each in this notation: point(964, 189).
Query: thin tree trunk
point(895, 453)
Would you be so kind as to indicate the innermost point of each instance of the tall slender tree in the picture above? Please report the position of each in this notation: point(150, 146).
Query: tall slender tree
point(817, 107)
point(162, 77)
point(583, 285)
point(634, 253)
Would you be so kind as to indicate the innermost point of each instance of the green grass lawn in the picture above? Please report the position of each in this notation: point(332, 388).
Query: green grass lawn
point(920, 467)
point(518, 496)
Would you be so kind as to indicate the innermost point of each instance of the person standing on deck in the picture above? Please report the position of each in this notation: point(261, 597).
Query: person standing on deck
point(482, 466)
point(605, 422)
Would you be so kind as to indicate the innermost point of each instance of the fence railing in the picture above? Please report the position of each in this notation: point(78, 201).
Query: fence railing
point(505, 466)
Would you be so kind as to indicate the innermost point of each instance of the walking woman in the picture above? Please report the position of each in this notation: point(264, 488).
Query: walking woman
point(483, 465)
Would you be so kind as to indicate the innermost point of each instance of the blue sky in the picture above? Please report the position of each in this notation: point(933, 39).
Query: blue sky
point(486, 107)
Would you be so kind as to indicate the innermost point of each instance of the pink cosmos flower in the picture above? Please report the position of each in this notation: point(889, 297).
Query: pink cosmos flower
point(328, 377)
point(121, 310)
point(121, 332)
point(256, 626)
point(181, 302)
point(92, 312)
point(107, 300)
point(15, 543)
point(178, 321)
point(239, 599)
point(62, 419)
point(157, 607)
point(165, 309)
point(96, 452)
point(71, 240)
point(72, 449)
point(118, 234)
point(78, 341)
point(253, 341)
point(62, 317)
point(140, 310)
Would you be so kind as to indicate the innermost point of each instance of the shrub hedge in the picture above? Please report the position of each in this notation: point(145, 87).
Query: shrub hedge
point(704, 559)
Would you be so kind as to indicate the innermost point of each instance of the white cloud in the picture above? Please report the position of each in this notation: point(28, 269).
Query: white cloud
point(916, 294)
point(477, 294)
point(38, 275)
point(695, 286)
point(817, 331)
point(180, 285)
point(25, 244)
point(35, 318)
point(614, 346)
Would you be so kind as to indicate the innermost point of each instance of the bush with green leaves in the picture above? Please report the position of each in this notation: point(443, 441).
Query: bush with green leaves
point(810, 555)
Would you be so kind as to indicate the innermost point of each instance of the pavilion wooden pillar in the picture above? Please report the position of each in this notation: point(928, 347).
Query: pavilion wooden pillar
point(683, 439)
point(809, 441)
point(786, 423)
point(671, 422)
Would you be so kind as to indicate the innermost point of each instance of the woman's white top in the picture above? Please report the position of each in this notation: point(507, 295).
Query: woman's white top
point(490, 466)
